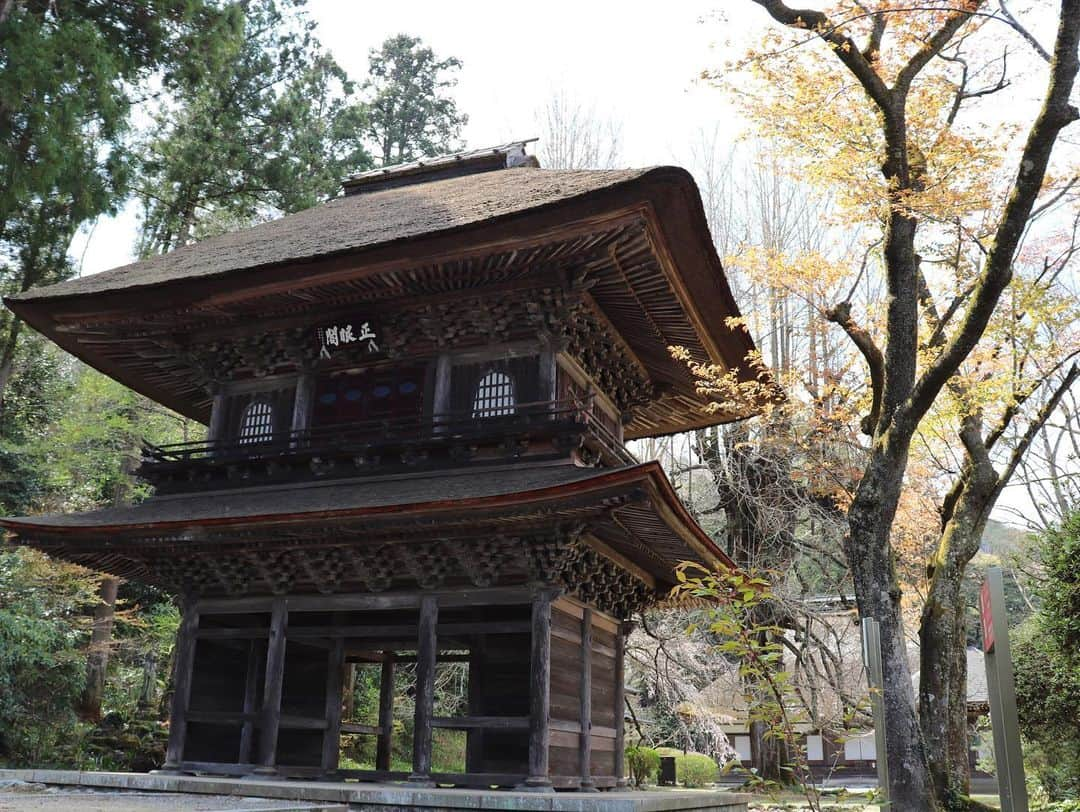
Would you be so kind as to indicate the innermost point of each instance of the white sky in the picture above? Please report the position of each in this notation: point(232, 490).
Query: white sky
point(635, 62)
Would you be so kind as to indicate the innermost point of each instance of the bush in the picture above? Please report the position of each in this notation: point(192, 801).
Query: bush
point(642, 763)
point(1055, 806)
point(1047, 669)
point(42, 665)
point(695, 770)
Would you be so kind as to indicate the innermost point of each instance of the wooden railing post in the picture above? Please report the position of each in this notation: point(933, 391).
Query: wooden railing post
point(270, 717)
point(384, 744)
point(426, 652)
point(540, 692)
point(185, 661)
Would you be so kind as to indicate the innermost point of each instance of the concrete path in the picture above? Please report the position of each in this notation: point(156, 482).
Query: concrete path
point(377, 797)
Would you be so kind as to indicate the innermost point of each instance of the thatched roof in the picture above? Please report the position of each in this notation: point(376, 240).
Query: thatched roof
point(638, 238)
point(351, 223)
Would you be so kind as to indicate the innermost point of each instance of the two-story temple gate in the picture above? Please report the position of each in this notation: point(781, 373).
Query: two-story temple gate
point(417, 397)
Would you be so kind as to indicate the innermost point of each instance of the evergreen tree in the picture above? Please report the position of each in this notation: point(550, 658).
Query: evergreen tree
point(68, 75)
point(270, 128)
point(410, 114)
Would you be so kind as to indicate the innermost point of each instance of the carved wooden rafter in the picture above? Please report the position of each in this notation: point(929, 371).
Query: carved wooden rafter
point(559, 557)
point(560, 314)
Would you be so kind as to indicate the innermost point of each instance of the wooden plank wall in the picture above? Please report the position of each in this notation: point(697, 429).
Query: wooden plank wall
point(566, 682)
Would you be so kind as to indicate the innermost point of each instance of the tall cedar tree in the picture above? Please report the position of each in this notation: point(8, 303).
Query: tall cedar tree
point(410, 114)
point(909, 372)
point(269, 129)
point(68, 75)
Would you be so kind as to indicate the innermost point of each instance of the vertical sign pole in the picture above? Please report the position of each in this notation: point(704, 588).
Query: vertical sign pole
point(1008, 756)
point(871, 640)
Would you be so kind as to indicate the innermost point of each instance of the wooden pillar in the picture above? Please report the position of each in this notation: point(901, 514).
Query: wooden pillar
point(335, 675)
point(349, 710)
point(302, 401)
point(426, 652)
point(270, 716)
point(620, 701)
point(540, 692)
point(440, 402)
point(384, 744)
point(216, 431)
point(185, 661)
point(251, 692)
point(474, 739)
point(585, 715)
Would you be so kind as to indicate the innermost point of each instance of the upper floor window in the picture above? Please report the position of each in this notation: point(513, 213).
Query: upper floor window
point(257, 423)
point(494, 395)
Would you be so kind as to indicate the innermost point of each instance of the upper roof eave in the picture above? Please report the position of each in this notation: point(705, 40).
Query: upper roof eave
point(256, 259)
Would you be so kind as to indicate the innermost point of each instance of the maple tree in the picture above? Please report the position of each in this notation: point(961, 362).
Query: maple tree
point(969, 340)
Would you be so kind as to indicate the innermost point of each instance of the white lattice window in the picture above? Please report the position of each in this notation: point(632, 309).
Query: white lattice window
point(494, 395)
point(257, 423)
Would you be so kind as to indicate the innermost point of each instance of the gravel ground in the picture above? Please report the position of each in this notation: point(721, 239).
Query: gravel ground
point(29, 799)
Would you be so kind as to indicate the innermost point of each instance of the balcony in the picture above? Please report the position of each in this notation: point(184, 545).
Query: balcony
point(535, 431)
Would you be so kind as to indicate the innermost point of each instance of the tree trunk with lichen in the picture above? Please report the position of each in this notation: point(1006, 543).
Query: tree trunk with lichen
point(878, 594)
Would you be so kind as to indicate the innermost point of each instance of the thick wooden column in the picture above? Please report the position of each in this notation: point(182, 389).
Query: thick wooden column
point(216, 430)
point(585, 714)
point(302, 401)
point(540, 692)
point(335, 676)
point(426, 652)
point(474, 739)
point(185, 661)
point(620, 701)
point(384, 744)
point(270, 716)
point(251, 692)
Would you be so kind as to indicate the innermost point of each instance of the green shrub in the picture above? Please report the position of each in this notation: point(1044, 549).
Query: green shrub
point(695, 770)
point(642, 763)
point(1055, 806)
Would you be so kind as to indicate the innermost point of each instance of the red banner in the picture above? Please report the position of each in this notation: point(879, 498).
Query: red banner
point(987, 618)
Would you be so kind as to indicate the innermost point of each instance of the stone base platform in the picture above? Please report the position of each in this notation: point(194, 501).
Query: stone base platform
point(340, 795)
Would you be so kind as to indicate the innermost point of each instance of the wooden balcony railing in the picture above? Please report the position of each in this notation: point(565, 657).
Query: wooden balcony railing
point(378, 446)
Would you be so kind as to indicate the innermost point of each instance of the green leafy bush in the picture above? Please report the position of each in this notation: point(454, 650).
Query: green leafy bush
point(695, 770)
point(1055, 806)
point(643, 764)
point(42, 665)
point(1047, 669)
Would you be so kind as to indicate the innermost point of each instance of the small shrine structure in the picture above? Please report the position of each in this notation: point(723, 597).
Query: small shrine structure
point(417, 397)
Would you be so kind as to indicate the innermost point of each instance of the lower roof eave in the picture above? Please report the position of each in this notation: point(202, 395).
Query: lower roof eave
point(485, 495)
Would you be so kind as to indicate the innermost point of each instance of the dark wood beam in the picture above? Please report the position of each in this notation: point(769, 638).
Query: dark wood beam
point(426, 652)
point(620, 701)
point(363, 601)
point(185, 660)
point(540, 692)
point(335, 675)
point(275, 676)
point(474, 739)
point(256, 656)
point(585, 715)
point(383, 746)
point(481, 722)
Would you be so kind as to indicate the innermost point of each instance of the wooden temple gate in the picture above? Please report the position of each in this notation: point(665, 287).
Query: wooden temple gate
point(271, 702)
point(417, 398)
